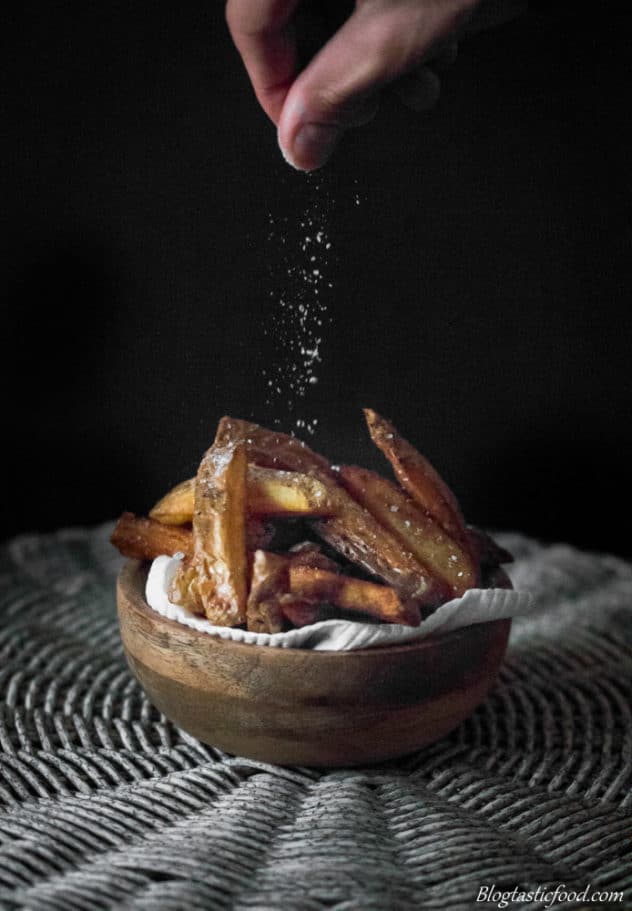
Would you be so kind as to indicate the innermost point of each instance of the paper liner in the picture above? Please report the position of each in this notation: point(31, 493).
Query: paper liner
point(478, 605)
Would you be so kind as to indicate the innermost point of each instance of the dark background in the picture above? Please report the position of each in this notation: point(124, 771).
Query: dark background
point(481, 291)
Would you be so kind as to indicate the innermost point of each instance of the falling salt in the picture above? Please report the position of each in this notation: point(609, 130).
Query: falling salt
point(299, 313)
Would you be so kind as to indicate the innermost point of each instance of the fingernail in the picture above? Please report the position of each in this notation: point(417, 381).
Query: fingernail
point(313, 145)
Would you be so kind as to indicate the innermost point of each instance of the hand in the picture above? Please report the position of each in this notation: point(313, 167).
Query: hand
point(383, 42)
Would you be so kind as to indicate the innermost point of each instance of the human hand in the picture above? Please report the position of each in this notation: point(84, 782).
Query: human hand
point(403, 43)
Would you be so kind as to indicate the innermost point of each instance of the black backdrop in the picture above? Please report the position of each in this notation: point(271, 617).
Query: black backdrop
point(481, 288)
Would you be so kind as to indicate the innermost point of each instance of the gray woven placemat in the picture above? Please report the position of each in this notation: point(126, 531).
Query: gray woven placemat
point(104, 804)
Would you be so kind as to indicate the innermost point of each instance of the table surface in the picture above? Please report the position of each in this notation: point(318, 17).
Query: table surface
point(105, 804)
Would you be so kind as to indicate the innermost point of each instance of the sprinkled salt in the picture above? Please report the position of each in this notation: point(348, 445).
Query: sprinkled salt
point(300, 315)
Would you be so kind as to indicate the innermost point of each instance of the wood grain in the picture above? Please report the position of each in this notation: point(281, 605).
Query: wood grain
point(293, 706)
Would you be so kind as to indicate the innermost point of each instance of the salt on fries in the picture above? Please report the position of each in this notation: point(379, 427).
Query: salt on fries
point(254, 486)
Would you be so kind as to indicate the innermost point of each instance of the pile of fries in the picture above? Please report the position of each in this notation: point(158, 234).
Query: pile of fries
point(275, 537)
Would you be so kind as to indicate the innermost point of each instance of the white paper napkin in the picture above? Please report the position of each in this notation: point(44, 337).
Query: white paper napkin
point(477, 605)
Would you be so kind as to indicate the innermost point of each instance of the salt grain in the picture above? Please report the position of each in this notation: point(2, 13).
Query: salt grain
point(300, 315)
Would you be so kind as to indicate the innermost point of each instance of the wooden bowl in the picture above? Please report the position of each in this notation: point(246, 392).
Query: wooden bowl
point(300, 707)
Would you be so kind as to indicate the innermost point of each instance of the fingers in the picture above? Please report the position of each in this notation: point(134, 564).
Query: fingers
point(381, 40)
point(264, 36)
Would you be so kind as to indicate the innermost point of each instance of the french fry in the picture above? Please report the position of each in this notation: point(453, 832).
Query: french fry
point(358, 537)
point(416, 475)
point(417, 531)
point(176, 507)
point(146, 539)
point(271, 449)
point(411, 537)
point(309, 583)
point(269, 582)
point(270, 599)
point(184, 588)
point(219, 535)
point(289, 494)
point(271, 492)
point(352, 531)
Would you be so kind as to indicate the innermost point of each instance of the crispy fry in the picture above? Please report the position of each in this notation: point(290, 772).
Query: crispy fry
point(184, 586)
point(416, 475)
point(269, 582)
point(362, 540)
point(352, 531)
point(176, 507)
point(309, 583)
point(414, 539)
point(271, 449)
point(146, 539)
point(420, 534)
point(219, 535)
point(286, 493)
point(271, 492)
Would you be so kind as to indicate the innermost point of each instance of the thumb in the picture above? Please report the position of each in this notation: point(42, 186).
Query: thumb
point(381, 40)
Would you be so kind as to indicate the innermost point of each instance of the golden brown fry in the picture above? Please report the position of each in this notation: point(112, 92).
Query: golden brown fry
point(268, 584)
point(271, 492)
point(176, 507)
point(219, 535)
point(146, 539)
point(310, 583)
point(183, 587)
point(416, 475)
point(418, 532)
point(360, 538)
point(271, 449)
point(352, 531)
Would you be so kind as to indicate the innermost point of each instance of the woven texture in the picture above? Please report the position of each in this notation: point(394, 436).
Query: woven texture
point(104, 804)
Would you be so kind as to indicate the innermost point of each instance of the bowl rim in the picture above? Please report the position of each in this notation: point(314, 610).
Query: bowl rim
point(133, 574)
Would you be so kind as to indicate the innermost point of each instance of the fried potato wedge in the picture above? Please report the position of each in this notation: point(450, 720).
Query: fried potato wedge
point(146, 539)
point(184, 588)
point(277, 493)
point(352, 531)
point(360, 538)
point(271, 492)
point(219, 536)
point(416, 475)
point(443, 556)
point(176, 507)
point(309, 583)
point(271, 449)
point(268, 583)
point(270, 599)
